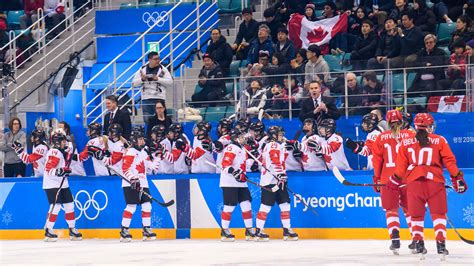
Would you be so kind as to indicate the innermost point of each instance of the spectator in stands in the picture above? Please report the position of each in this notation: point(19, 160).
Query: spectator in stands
point(272, 22)
point(262, 43)
point(277, 104)
point(329, 10)
point(470, 50)
point(277, 70)
point(378, 9)
point(284, 46)
point(374, 91)
point(317, 106)
point(388, 46)
point(355, 22)
point(7, 5)
point(355, 95)
point(294, 92)
point(54, 12)
point(401, 7)
point(160, 118)
point(428, 59)
point(316, 69)
point(248, 30)
point(211, 81)
point(425, 18)
point(310, 12)
point(455, 83)
point(255, 70)
point(253, 99)
point(463, 31)
point(365, 46)
point(411, 39)
point(441, 11)
point(118, 116)
point(287, 7)
point(155, 79)
point(220, 50)
point(298, 65)
point(13, 166)
point(31, 12)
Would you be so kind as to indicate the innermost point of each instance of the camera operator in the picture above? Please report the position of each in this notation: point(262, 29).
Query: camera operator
point(154, 79)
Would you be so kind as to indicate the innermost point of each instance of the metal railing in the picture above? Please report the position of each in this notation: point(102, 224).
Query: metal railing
point(135, 93)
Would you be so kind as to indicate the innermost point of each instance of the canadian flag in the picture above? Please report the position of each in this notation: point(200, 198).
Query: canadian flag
point(304, 32)
point(447, 104)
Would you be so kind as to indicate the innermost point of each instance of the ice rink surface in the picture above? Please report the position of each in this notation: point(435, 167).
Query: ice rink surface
point(192, 252)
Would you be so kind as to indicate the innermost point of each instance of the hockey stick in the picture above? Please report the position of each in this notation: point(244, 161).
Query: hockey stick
point(287, 188)
point(343, 181)
point(273, 189)
point(470, 242)
point(163, 204)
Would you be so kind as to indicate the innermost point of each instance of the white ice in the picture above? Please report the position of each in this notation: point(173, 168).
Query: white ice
point(192, 252)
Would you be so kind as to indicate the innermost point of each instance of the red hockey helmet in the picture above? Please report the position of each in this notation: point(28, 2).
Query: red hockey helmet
point(423, 121)
point(394, 116)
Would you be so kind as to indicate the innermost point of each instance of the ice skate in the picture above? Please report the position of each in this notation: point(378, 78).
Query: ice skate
point(261, 236)
point(227, 236)
point(74, 235)
point(148, 235)
point(50, 236)
point(442, 251)
point(249, 234)
point(395, 246)
point(412, 246)
point(289, 235)
point(420, 249)
point(125, 235)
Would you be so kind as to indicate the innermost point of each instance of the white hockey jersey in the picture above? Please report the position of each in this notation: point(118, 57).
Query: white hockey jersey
point(235, 157)
point(291, 163)
point(199, 156)
point(366, 150)
point(261, 143)
point(117, 151)
point(333, 152)
point(37, 158)
point(99, 167)
point(54, 160)
point(312, 160)
point(76, 166)
point(135, 164)
point(225, 140)
point(174, 160)
point(273, 158)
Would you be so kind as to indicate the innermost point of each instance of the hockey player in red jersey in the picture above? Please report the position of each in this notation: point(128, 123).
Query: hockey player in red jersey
point(135, 163)
point(56, 171)
point(419, 164)
point(201, 151)
point(369, 125)
point(223, 134)
point(384, 152)
point(38, 154)
point(234, 187)
point(273, 158)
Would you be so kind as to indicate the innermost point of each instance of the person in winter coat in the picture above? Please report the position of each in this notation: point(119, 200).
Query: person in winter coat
point(425, 18)
point(253, 99)
point(248, 30)
point(388, 46)
point(455, 83)
point(298, 65)
point(272, 21)
point(463, 31)
point(262, 43)
point(284, 46)
point(220, 50)
point(365, 46)
point(212, 83)
point(310, 12)
point(401, 7)
point(277, 69)
point(13, 166)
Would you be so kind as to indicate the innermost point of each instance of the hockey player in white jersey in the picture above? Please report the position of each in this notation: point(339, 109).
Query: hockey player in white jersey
point(77, 167)
point(273, 157)
point(311, 158)
point(201, 151)
point(112, 157)
point(96, 142)
point(369, 125)
point(174, 159)
point(223, 130)
point(331, 147)
point(38, 154)
point(255, 142)
point(135, 162)
point(155, 148)
point(234, 187)
point(55, 178)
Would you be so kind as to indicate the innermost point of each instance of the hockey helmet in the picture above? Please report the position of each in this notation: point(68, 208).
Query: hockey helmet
point(327, 127)
point(202, 129)
point(424, 121)
point(58, 138)
point(38, 136)
point(137, 138)
point(225, 124)
point(243, 124)
point(394, 116)
point(369, 122)
point(158, 132)
point(275, 133)
point(235, 134)
point(258, 127)
point(115, 131)
point(94, 130)
point(309, 124)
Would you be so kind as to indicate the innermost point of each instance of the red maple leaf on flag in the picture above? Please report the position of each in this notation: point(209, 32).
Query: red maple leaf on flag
point(451, 100)
point(317, 35)
point(140, 167)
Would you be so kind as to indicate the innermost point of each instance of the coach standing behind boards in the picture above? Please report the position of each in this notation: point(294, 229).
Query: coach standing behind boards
point(116, 115)
point(317, 106)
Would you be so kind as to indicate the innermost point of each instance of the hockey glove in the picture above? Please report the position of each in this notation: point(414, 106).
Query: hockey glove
point(353, 146)
point(238, 174)
point(181, 145)
point(254, 167)
point(459, 183)
point(282, 178)
point(63, 171)
point(207, 145)
point(135, 184)
point(218, 146)
point(297, 154)
point(394, 182)
point(292, 145)
point(17, 147)
point(314, 145)
point(376, 181)
point(95, 152)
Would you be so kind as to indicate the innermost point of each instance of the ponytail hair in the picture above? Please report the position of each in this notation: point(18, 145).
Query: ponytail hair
point(422, 138)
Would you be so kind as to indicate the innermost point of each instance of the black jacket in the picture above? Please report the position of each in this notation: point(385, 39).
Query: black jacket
point(388, 45)
point(412, 41)
point(274, 26)
point(121, 117)
point(221, 52)
point(214, 81)
point(153, 121)
point(307, 109)
point(364, 48)
point(247, 32)
point(425, 18)
point(437, 57)
point(278, 72)
point(288, 50)
point(384, 5)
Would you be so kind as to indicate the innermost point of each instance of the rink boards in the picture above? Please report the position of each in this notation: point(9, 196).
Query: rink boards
point(343, 212)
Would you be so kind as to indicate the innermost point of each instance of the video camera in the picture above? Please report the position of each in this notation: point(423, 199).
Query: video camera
point(6, 70)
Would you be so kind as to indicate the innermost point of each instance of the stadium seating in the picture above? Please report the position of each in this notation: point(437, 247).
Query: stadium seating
point(444, 32)
point(234, 68)
point(13, 18)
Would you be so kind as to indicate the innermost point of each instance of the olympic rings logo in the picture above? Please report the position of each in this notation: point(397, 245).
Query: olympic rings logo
point(90, 202)
point(151, 19)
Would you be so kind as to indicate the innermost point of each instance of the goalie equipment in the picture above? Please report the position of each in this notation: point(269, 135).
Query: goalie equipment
point(94, 130)
point(326, 128)
point(369, 122)
point(202, 129)
point(115, 132)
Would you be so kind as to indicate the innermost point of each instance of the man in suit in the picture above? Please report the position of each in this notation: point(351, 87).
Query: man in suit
point(116, 115)
point(317, 106)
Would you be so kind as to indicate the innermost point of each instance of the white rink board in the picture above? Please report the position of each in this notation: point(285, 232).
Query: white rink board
point(192, 252)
